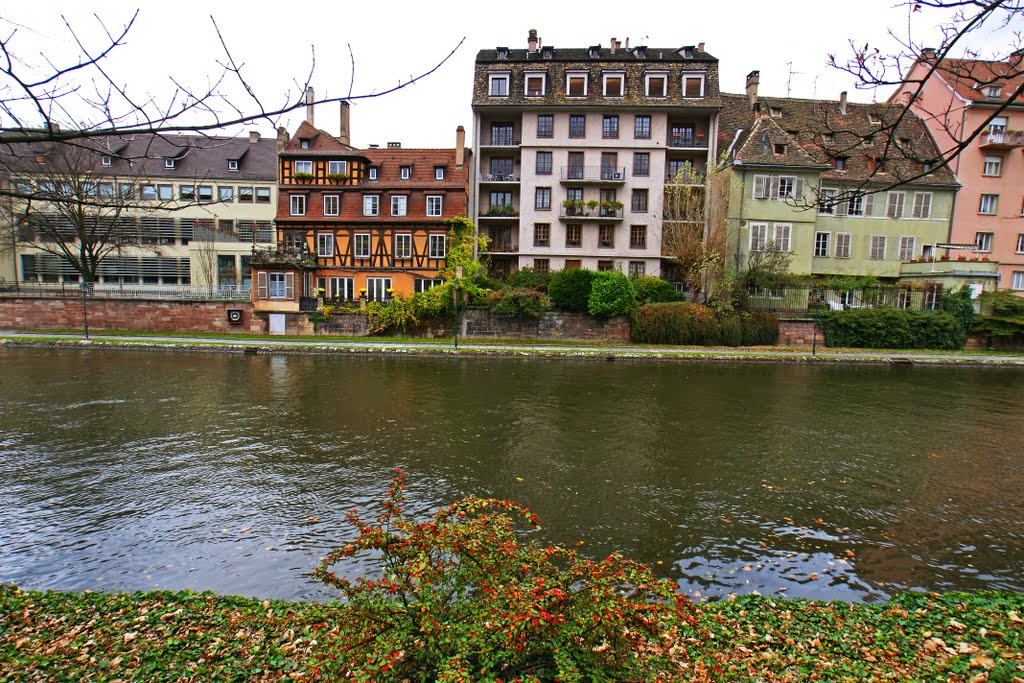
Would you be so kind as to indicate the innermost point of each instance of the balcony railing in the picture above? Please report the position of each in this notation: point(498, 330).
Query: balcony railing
point(688, 140)
point(499, 178)
point(593, 173)
point(591, 213)
point(1003, 139)
point(502, 141)
point(501, 211)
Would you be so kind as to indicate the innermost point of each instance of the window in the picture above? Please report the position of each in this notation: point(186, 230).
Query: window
point(876, 250)
point(575, 168)
point(378, 288)
point(922, 205)
point(405, 172)
point(573, 264)
point(609, 166)
point(422, 284)
point(693, 85)
point(105, 161)
point(225, 193)
point(988, 204)
point(535, 82)
point(642, 127)
point(758, 236)
point(907, 248)
point(839, 163)
point(340, 288)
point(576, 84)
point(860, 206)
point(641, 163)
point(1018, 280)
point(168, 163)
point(605, 266)
point(993, 166)
point(781, 149)
point(304, 143)
point(827, 202)
point(438, 248)
point(499, 85)
point(324, 244)
point(996, 128)
point(657, 84)
point(399, 205)
point(783, 232)
point(983, 240)
point(503, 134)
point(787, 188)
point(843, 245)
point(336, 167)
point(186, 193)
point(607, 198)
point(332, 205)
point(573, 235)
point(361, 245)
point(775, 112)
point(545, 125)
point(106, 190)
point(638, 237)
point(544, 163)
point(762, 186)
point(613, 85)
point(246, 194)
point(636, 268)
point(205, 193)
point(1020, 244)
point(992, 90)
point(304, 167)
point(297, 205)
point(126, 190)
point(577, 126)
point(403, 245)
point(280, 285)
point(894, 204)
point(371, 205)
point(610, 126)
point(439, 173)
point(434, 205)
point(639, 202)
point(821, 243)
point(606, 236)
point(262, 195)
point(542, 265)
point(542, 234)
point(543, 198)
point(371, 173)
point(148, 192)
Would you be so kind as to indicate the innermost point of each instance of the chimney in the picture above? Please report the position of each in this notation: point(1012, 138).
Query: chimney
point(532, 41)
point(613, 44)
point(753, 80)
point(460, 147)
point(309, 105)
point(394, 145)
point(345, 136)
point(700, 47)
point(627, 42)
point(282, 138)
point(842, 103)
point(254, 136)
point(927, 53)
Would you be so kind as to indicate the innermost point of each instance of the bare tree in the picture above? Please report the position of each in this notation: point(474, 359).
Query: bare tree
point(696, 207)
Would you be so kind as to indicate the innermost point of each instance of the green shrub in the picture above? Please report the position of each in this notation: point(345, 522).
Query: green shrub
point(570, 289)
point(760, 328)
point(677, 323)
point(960, 305)
point(653, 290)
point(732, 330)
point(518, 302)
point(611, 294)
point(1007, 317)
point(891, 328)
point(529, 278)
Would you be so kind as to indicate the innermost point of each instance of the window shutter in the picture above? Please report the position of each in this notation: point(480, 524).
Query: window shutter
point(773, 191)
point(843, 208)
point(289, 286)
point(261, 285)
point(798, 189)
point(760, 186)
point(869, 203)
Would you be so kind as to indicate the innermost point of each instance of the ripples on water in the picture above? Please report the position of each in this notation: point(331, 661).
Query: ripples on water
point(134, 471)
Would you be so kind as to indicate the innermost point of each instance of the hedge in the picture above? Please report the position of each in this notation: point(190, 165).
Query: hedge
point(653, 290)
point(686, 324)
point(570, 289)
point(611, 294)
point(892, 328)
point(518, 302)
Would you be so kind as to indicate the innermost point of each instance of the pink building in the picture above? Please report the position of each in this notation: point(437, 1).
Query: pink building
point(959, 98)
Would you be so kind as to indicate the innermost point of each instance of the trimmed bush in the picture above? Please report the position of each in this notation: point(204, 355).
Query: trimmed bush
point(570, 289)
point(528, 278)
point(688, 324)
point(732, 330)
point(611, 294)
point(518, 302)
point(653, 290)
point(959, 304)
point(891, 328)
point(760, 328)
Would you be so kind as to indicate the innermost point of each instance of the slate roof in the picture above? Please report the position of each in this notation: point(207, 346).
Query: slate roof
point(603, 54)
point(814, 133)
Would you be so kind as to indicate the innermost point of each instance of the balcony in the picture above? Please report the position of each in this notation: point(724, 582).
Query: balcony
point(500, 212)
point(574, 210)
point(500, 141)
point(1009, 139)
point(601, 175)
point(283, 256)
point(499, 178)
point(687, 139)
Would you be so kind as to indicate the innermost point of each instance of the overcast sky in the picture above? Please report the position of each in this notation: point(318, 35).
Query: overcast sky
point(393, 41)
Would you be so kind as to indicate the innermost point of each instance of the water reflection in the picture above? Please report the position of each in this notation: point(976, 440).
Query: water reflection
point(134, 471)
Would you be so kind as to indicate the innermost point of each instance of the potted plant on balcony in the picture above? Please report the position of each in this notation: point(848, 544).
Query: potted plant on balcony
point(592, 205)
point(610, 208)
point(303, 177)
point(573, 207)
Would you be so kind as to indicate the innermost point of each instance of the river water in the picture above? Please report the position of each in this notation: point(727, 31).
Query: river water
point(141, 470)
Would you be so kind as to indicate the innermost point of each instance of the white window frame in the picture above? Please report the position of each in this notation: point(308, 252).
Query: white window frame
point(297, 205)
point(821, 246)
point(403, 245)
point(106, 160)
point(686, 75)
point(438, 247)
point(992, 90)
point(325, 245)
point(275, 285)
point(605, 76)
point(371, 173)
point(542, 75)
point(399, 205)
point(332, 205)
point(988, 204)
point(340, 288)
point(232, 164)
point(1017, 280)
point(984, 241)
point(301, 164)
point(843, 245)
point(762, 186)
point(827, 201)
point(860, 207)
point(422, 284)
point(922, 205)
point(993, 166)
point(405, 172)
point(793, 193)
point(337, 166)
point(783, 237)
point(895, 204)
point(435, 205)
point(647, 84)
point(377, 288)
point(908, 247)
point(758, 236)
point(569, 75)
point(168, 163)
point(873, 242)
point(225, 193)
point(439, 173)
point(361, 245)
point(499, 77)
point(997, 126)
point(1020, 243)
point(371, 204)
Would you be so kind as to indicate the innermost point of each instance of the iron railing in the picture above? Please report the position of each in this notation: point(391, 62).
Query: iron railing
point(809, 300)
point(607, 173)
point(118, 291)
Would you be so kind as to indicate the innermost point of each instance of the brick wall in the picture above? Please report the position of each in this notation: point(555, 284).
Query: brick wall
point(798, 333)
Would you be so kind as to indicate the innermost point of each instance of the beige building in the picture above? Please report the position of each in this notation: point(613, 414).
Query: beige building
point(170, 210)
point(572, 148)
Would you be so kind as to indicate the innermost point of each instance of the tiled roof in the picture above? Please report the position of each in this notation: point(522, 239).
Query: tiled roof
point(389, 161)
point(822, 132)
point(969, 76)
point(320, 142)
point(603, 54)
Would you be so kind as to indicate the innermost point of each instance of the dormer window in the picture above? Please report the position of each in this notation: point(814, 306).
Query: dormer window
point(775, 112)
point(576, 84)
point(304, 143)
point(535, 83)
point(499, 84)
point(595, 51)
point(105, 161)
point(686, 52)
point(547, 52)
point(641, 53)
point(502, 53)
point(405, 172)
point(780, 149)
point(168, 163)
point(439, 173)
point(839, 163)
point(992, 90)
point(371, 173)
point(693, 85)
point(614, 84)
point(232, 164)
point(656, 84)
point(873, 119)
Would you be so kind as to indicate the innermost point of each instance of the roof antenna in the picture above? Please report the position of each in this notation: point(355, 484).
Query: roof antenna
point(789, 81)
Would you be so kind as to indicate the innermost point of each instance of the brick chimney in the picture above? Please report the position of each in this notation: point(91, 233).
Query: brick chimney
point(345, 135)
point(842, 103)
point(460, 147)
point(613, 44)
point(753, 80)
point(532, 40)
point(282, 138)
point(700, 47)
point(309, 105)
point(927, 53)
